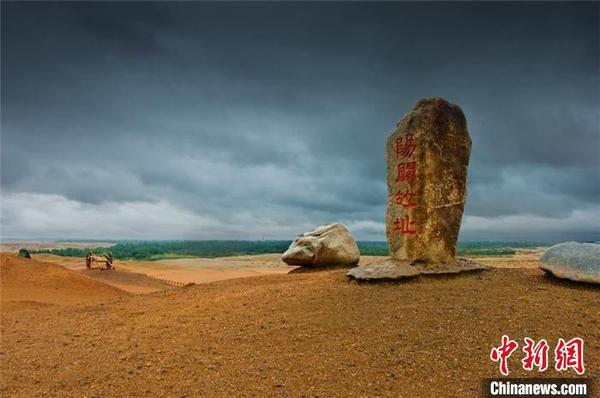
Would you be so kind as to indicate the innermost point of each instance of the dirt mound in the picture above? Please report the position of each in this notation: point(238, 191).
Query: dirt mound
point(32, 282)
point(311, 334)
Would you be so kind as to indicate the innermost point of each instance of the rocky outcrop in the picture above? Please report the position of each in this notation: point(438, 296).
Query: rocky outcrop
point(575, 261)
point(328, 245)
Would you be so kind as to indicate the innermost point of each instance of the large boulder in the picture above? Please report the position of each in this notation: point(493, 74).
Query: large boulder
point(575, 261)
point(328, 245)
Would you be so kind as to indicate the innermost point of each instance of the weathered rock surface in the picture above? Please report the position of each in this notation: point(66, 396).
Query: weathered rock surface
point(427, 158)
point(575, 261)
point(397, 269)
point(328, 245)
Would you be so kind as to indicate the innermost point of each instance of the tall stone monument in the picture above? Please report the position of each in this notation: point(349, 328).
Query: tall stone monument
point(427, 159)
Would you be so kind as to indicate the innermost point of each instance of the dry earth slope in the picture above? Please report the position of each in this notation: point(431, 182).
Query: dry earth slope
point(304, 334)
point(26, 282)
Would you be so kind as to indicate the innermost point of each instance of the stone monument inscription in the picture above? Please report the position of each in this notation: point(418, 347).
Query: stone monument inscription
point(427, 159)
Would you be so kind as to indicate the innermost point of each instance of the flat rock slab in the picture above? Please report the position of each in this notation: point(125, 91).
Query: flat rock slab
point(397, 269)
point(578, 262)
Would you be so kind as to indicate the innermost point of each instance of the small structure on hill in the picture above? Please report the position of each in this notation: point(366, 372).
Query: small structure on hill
point(427, 159)
point(24, 253)
point(106, 259)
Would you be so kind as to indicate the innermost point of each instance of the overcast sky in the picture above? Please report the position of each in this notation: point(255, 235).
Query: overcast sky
point(264, 120)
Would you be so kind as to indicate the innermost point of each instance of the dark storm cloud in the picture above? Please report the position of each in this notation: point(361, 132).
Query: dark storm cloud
point(269, 117)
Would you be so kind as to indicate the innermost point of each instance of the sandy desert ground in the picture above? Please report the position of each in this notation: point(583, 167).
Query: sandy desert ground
point(189, 270)
point(68, 331)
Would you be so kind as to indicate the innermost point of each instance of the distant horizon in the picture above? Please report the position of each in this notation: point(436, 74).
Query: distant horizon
point(61, 240)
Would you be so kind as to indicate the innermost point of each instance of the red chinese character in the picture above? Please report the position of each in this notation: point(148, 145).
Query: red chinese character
point(569, 355)
point(406, 199)
point(536, 355)
point(406, 172)
point(405, 146)
point(403, 225)
point(502, 353)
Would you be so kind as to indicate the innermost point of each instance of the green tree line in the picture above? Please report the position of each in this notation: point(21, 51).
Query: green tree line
point(155, 250)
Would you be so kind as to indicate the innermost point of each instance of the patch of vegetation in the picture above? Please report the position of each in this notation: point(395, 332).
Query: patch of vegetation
point(493, 248)
point(158, 250)
point(24, 253)
point(373, 248)
point(501, 251)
